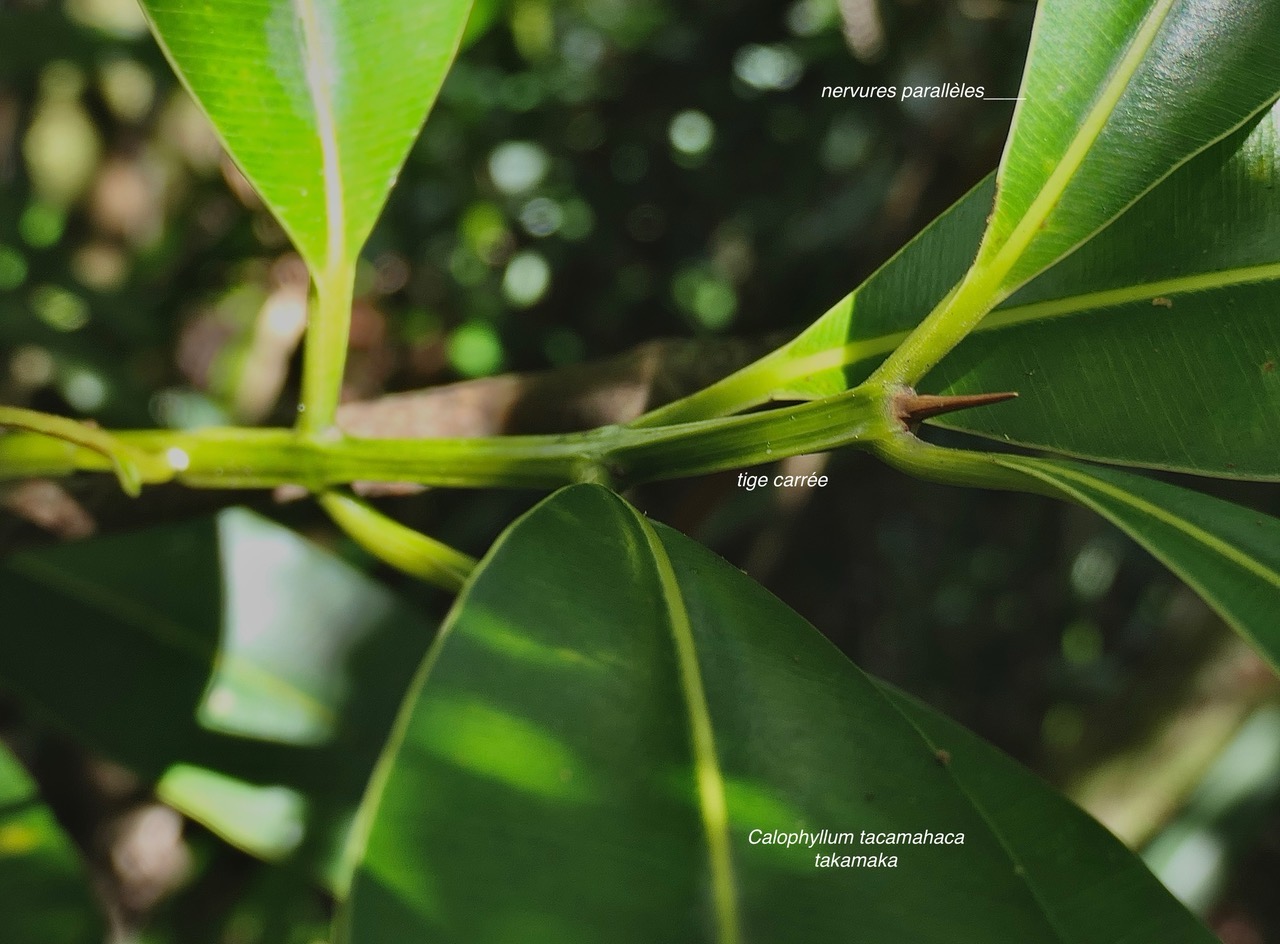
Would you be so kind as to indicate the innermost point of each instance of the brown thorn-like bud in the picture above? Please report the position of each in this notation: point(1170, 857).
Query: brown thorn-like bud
point(914, 408)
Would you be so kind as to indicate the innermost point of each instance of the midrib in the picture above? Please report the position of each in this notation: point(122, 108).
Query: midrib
point(1020, 315)
point(709, 780)
point(1073, 158)
point(321, 74)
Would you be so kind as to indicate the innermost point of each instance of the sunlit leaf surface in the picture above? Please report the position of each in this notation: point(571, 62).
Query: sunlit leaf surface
point(605, 732)
point(1117, 94)
point(318, 101)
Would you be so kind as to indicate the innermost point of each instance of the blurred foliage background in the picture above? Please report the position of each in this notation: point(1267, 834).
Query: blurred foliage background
point(599, 173)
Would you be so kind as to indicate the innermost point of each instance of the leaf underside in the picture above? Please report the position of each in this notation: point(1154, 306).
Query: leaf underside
point(317, 101)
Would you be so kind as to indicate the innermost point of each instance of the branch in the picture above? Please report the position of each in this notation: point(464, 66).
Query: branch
point(583, 396)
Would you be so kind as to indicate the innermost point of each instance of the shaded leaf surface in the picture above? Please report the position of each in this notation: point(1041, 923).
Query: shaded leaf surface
point(587, 751)
point(1228, 554)
point(252, 675)
point(44, 894)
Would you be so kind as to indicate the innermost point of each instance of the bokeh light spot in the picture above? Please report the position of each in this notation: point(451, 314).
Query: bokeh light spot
point(475, 350)
point(60, 309)
point(526, 280)
point(691, 133)
point(13, 268)
point(518, 166)
point(768, 68)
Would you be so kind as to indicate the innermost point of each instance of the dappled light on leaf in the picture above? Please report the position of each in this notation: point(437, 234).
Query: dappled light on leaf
point(274, 711)
point(782, 708)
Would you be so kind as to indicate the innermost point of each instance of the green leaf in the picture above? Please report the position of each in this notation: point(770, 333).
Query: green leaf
point(1115, 97)
point(1156, 343)
point(44, 893)
point(588, 749)
point(1117, 94)
point(1153, 344)
point(262, 674)
point(1228, 554)
point(318, 101)
point(840, 349)
point(484, 14)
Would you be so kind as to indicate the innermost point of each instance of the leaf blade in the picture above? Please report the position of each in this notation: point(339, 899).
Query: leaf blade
point(1154, 343)
point(615, 815)
point(44, 893)
point(266, 673)
point(1116, 96)
point(1230, 555)
point(317, 101)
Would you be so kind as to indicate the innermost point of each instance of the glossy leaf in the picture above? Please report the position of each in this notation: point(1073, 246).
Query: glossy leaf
point(44, 893)
point(839, 350)
point(1155, 344)
point(1116, 94)
point(601, 732)
point(256, 677)
point(318, 101)
point(1228, 554)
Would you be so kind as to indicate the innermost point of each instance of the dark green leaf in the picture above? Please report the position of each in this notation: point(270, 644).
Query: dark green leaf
point(588, 750)
point(1153, 344)
point(1156, 343)
point(252, 675)
point(44, 894)
point(1228, 554)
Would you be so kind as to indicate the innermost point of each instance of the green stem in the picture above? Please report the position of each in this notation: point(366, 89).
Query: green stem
point(400, 546)
point(954, 318)
point(856, 417)
point(923, 460)
point(749, 387)
point(325, 350)
point(131, 466)
point(240, 458)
